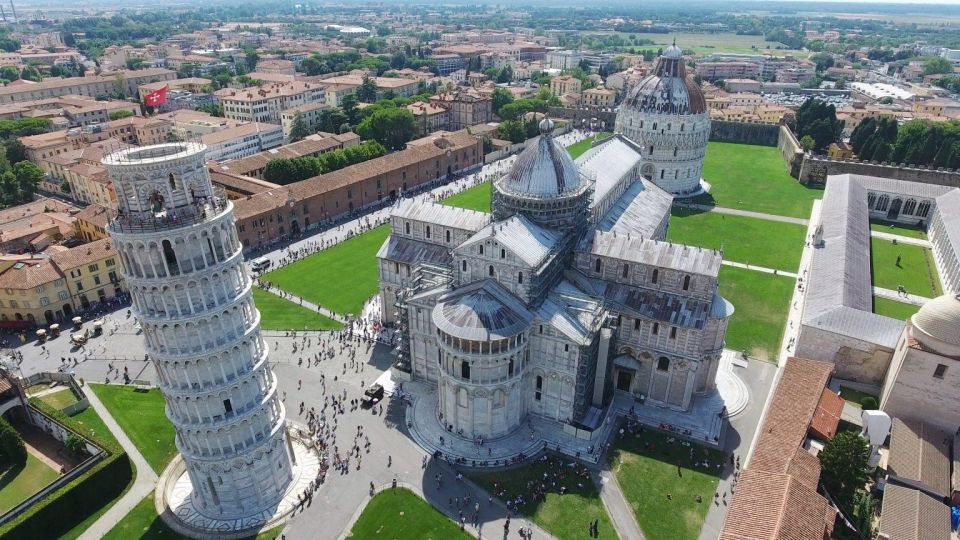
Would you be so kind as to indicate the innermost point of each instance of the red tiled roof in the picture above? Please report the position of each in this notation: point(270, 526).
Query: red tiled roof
point(827, 416)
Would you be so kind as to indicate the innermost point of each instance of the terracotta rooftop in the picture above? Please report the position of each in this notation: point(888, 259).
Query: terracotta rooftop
point(83, 255)
point(28, 274)
point(827, 416)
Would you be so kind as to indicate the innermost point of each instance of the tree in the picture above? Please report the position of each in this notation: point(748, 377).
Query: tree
point(298, 128)
point(367, 91)
point(807, 143)
point(213, 109)
point(76, 446)
point(512, 130)
point(15, 151)
point(500, 97)
point(117, 115)
point(391, 127)
point(846, 469)
point(30, 73)
point(349, 105)
point(823, 61)
point(10, 73)
point(937, 64)
point(506, 75)
point(819, 120)
point(28, 178)
point(13, 453)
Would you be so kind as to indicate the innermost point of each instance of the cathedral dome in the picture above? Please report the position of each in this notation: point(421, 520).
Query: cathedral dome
point(668, 89)
point(484, 312)
point(938, 322)
point(543, 169)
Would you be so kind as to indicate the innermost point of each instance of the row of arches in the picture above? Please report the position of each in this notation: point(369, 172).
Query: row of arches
point(208, 371)
point(179, 254)
point(483, 370)
point(193, 297)
point(897, 205)
point(205, 334)
point(240, 397)
point(231, 440)
point(176, 188)
point(645, 275)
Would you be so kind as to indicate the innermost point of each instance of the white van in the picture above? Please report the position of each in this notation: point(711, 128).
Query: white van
point(261, 264)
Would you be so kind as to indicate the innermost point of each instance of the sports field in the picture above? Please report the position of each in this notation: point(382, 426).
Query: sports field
point(760, 302)
point(754, 178)
point(340, 278)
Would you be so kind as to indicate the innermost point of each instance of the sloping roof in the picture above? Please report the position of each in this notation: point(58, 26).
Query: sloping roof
point(951, 219)
point(408, 251)
point(640, 210)
point(633, 248)
point(260, 203)
point(82, 255)
point(909, 514)
point(530, 242)
point(827, 416)
point(29, 274)
point(94, 214)
point(610, 160)
point(571, 311)
point(921, 453)
point(481, 311)
point(441, 214)
point(771, 506)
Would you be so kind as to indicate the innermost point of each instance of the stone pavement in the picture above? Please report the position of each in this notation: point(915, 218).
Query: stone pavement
point(143, 483)
point(743, 213)
point(616, 505)
point(759, 269)
point(893, 237)
point(908, 298)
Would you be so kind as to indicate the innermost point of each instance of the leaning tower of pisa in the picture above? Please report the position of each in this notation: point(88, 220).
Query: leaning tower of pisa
point(184, 266)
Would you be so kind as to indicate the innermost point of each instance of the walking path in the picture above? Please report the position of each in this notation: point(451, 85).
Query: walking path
point(906, 298)
point(305, 303)
point(901, 239)
point(617, 506)
point(744, 213)
point(759, 268)
point(49, 391)
point(143, 483)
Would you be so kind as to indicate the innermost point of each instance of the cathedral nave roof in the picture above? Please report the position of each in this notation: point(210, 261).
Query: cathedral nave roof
point(522, 237)
point(659, 305)
point(441, 214)
point(634, 248)
point(639, 211)
point(572, 312)
point(409, 251)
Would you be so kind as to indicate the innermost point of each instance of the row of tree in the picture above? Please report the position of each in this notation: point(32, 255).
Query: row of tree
point(917, 142)
point(13, 453)
point(507, 108)
point(818, 121)
point(287, 170)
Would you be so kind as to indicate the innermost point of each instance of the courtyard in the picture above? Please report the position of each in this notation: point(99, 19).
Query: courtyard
point(906, 265)
point(18, 483)
point(761, 302)
point(894, 309)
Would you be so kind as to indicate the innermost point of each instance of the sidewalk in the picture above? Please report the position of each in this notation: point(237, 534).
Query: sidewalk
point(759, 269)
point(908, 298)
point(143, 484)
point(617, 506)
point(901, 239)
point(744, 213)
point(277, 291)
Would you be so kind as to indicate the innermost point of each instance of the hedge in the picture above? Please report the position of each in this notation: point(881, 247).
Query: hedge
point(12, 449)
point(74, 502)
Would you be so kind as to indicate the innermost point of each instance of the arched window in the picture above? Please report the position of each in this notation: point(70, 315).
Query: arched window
point(510, 367)
point(465, 370)
point(686, 283)
point(871, 198)
point(448, 236)
point(490, 270)
point(663, 364)
point(173, 181)
point(503, 253)
point(675, 151)
point(923, 209)
point(481, 249)
point(626, 270)
point(661, 172)
point(169, 255)
point(428, 231)
point(909, 206)
point(464, 265)
point(653, 277)
point(882, 203)
point(520, 278)
point(598, 265)
point(656, 328)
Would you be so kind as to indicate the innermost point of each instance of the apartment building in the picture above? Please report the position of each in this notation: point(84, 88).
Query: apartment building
point(314, 145)
point(311, 114)
point(467, 107)
point(399, 87)
point(194, 85)
point(564, 59)
point(242, 140)
point(565, 84)
point(599, 97)
point(122, 83)
point(428, 118)
point(267, 103)
point(713, 71)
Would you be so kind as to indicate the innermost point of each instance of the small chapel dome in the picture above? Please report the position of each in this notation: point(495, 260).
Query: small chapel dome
point(938, 322)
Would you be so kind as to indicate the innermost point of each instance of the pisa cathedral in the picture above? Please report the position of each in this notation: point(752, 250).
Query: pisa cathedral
point(568, 292)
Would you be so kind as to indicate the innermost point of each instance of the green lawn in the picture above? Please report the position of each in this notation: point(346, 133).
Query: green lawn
point(648, 468)
point(578, 148)
point(917, 271)
point(143, 523)
point(564, 516)
point(18, 483)
point(892, 308)
point(340, 278)
point(476, 198)
point(899, 229)
point(856, 396)
point(142, 417)
point(760, 302)
point(59, 400)
point(707, 43)
point(749, 177)
point(401, 514)
point(279, 314)
point(37, 388)
point(771, 244)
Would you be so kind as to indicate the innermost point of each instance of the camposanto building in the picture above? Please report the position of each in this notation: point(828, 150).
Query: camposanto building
point(666, 116)
point(566, 294)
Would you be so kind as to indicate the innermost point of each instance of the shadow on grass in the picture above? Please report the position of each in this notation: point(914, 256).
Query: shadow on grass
point(11, 474)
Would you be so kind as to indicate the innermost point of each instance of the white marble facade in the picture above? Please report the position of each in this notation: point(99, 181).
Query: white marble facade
point(184, 266)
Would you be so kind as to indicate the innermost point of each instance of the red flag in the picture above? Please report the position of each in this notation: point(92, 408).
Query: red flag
point(155, 98)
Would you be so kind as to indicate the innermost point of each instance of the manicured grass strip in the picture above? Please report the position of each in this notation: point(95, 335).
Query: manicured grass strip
point(898, 229)
point(142, 417)
point(564, 516)
point(340, 278)
point(649, 468)
point(399, 514)
point(892, 308)
point(280, 314)
point(856, 396)
point(59, 400)
point(760, 302)
point(578, 148)
point(913, 272)
point(478, 197)
point(19, 483)
point(761, 242)
point(750, 177)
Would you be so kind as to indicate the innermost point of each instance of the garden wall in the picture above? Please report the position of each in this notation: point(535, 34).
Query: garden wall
point(790, 151)
point(815, 169)
point(744, 132)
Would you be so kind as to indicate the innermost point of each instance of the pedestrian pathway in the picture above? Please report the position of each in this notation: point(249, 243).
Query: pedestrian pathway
point(305, 303)
point(744, 213)
point(759, 269)
point(906, 298)
point(143, 484)
point(48, 391)
point(617, 506)
point(901, 239)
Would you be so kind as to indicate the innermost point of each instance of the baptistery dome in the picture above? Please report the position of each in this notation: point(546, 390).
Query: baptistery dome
point(666, 115)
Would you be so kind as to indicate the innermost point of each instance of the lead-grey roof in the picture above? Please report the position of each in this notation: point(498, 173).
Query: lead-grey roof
point(609, 161)
point(522, 237)
point(572, 312)
point(634, 248)
point(481, 311)
point(640, 210)
point(409, 251)
point(948, 210)
point(839, 295)
point(441, 214)
point(892, 185)
point(660, 306)
point(543, 169)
